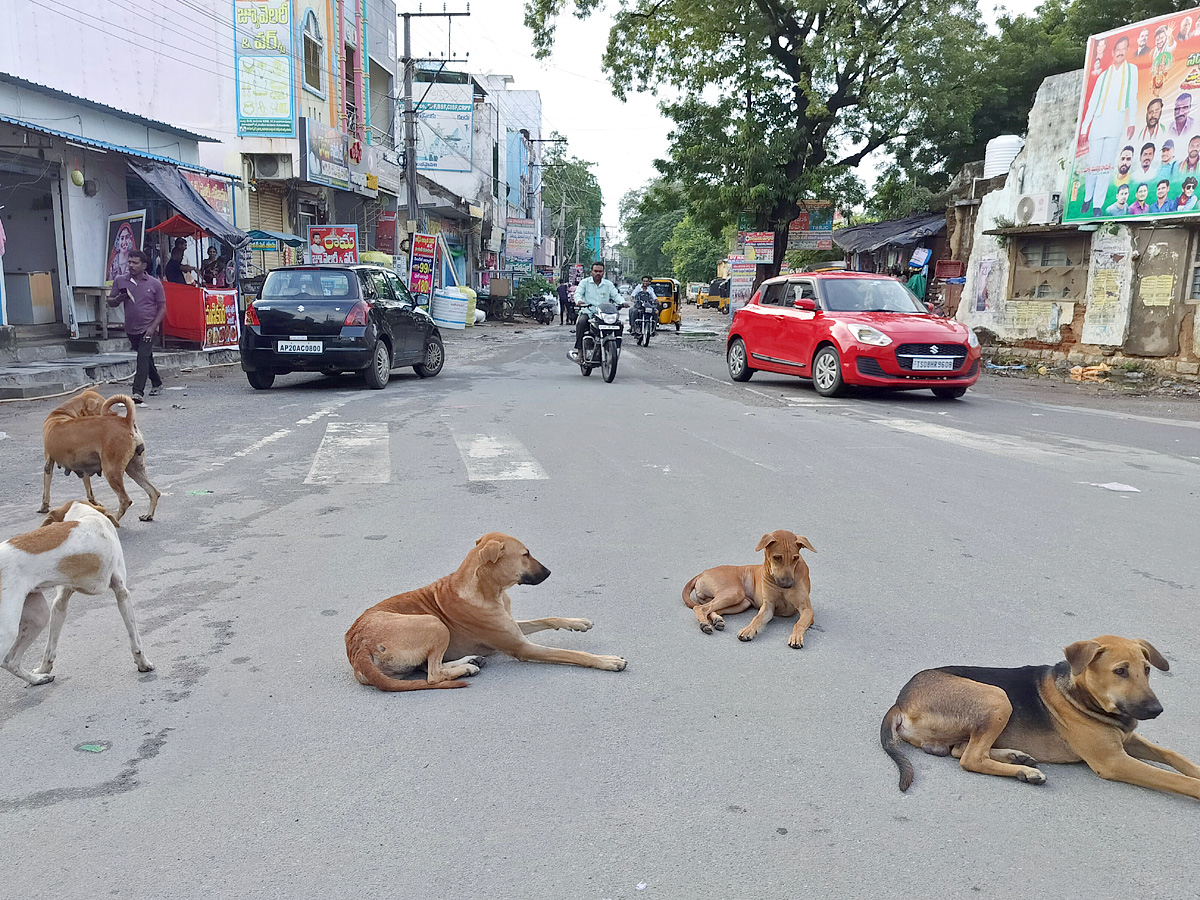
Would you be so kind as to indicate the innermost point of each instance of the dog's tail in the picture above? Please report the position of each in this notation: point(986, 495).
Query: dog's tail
point(119, 400)
point(890, 739)
point(687, 593)
point(367, 672)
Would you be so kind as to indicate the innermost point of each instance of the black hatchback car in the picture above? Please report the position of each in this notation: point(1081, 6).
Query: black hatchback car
point(334, 319)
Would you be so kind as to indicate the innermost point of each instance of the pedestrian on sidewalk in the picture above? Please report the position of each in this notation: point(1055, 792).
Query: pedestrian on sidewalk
point(145, 308)
point(564, 296)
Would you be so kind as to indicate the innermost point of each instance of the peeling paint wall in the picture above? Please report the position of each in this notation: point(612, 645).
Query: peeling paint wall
point(1110, 276)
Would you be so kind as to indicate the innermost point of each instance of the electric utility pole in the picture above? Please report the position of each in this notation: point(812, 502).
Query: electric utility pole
point(410, 115)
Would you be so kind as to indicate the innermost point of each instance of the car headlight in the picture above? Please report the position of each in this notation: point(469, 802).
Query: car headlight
point(865, 334)
point(972, 338)
point(608, 318)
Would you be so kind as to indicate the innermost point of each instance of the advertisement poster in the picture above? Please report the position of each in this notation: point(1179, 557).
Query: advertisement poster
point(518, 245)
point(385, 233)
point(215, 191)
point(422, 259)
point(262, 59)
point(445, 133)
point(760, 247)
point(324, 154)
point(982, 300)
point(1137, 150)
point(125, 233)
point(336, 244)
point(741, 282)
point(813, 228)
point(221, 320)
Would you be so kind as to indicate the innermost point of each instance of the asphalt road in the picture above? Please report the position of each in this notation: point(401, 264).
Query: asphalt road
point(252, 764)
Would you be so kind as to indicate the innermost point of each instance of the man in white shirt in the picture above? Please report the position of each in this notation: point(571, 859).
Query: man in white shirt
point(1109, 119)
point(1153, 131)
point(1183, 124)
point(588, 297)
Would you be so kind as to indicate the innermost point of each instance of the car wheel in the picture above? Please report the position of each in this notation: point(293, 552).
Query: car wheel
point(827, 372)
point(379, 371)
point(261, 380)
point(739, 364)
point(435, 357)
point(949, 393)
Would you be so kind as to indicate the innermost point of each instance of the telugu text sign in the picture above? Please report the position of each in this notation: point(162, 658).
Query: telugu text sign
point(262, 59)
point(221, 320)
point(421, 263)
point(519, 236)
point(336, 244)
point(1137, 144)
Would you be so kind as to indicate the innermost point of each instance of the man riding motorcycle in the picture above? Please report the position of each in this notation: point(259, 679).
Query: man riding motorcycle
point(588, 297)
point(643, 295)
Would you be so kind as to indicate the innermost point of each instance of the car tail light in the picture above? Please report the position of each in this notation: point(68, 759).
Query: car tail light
point(251, 315)
point(357, 314)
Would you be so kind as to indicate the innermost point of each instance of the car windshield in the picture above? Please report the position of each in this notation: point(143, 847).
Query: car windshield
point(870, 295)
point(309, 284)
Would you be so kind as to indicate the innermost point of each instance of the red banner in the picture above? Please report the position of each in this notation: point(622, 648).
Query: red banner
point(333, 244)
point(421, 260)
point(385, 233)
point(221, 319)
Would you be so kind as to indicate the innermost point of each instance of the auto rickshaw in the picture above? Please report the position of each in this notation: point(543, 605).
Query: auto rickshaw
point(717, 295)
point(668, 291)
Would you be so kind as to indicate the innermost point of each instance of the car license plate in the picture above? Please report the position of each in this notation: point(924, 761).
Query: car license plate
point(934, 363)
point(298, 347)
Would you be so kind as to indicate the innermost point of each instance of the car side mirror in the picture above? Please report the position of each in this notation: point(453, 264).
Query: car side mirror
point(806, 303)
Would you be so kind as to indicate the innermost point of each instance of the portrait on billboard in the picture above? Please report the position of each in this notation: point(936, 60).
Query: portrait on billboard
point(125, 234)
point(1137, 150)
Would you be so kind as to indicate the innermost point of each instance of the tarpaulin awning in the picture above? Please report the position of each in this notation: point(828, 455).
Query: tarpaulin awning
point(894, 232)
point(292, 240)
point(177, 226)
point(170, 184)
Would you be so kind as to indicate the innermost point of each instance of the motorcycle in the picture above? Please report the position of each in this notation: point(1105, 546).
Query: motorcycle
point(602, 342)
point(540, 308)
point(645, 317)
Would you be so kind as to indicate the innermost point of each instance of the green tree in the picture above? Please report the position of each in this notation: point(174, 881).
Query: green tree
point(694, 252)
point(648, 217)
point(571, 195)
point(781, 98)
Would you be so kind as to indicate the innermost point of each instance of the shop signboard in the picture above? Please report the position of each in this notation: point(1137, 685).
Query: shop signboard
point(269, 245)
point(813, 228)
point(1137, 143)
point(125, 233)
point(760, 247)
point(518, 245)
point(215, 191)
point(421, 262)
point(385, 232)
point(445, 133)
point(324, 154)
point(336, 244)
point(221, 320)
point(741, 281)
point(263, 68)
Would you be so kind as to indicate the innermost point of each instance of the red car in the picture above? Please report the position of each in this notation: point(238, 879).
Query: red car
point(850, 328)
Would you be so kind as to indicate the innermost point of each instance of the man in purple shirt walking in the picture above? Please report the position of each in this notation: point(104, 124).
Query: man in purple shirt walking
point(145, 308)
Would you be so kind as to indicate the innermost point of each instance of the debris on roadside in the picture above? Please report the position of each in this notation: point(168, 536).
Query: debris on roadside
point(1090, 373)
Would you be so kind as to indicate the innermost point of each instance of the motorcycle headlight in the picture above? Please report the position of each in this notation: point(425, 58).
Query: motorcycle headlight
point(865, 334)
point(608, 318)
point(972, 338)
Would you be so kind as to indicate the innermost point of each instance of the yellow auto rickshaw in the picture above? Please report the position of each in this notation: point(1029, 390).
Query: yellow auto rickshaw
point(668, 292)
point(716, 294)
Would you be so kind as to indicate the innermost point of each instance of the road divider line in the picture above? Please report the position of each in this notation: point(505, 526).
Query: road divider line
point(497, 457)
point(353, 453)
point(262, 442)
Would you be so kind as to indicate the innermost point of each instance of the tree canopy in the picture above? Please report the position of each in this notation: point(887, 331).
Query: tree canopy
point(571, 196)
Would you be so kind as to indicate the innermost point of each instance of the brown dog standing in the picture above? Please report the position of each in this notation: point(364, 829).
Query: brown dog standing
point(86, 437)
point(466, 615)
point(1084, 709)
point(778, 587)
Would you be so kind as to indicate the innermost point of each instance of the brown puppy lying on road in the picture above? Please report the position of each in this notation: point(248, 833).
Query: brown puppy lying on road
point(780, 586)
point(467, 615)
point(86, 437)
point(1084, 709)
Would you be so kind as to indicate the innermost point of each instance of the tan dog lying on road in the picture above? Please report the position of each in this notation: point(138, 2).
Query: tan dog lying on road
point(86, 437)
point(76, 549)
point(1084, 709)
point(467, 615)
point(778, 587)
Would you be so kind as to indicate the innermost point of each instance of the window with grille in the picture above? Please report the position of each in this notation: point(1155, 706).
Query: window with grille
point(1050, 267)
point(314, 52)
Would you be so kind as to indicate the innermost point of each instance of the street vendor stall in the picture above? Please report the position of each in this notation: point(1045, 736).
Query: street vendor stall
point(204, 315)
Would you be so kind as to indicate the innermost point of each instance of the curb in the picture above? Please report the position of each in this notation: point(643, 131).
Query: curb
point(48, 379)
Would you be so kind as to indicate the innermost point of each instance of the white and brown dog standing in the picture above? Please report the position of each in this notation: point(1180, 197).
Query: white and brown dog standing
point(76, 549)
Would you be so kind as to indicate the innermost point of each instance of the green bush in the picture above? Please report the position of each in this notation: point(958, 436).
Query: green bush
point(533, 286)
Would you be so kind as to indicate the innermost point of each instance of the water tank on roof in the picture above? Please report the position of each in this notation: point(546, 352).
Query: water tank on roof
point(1000, 153)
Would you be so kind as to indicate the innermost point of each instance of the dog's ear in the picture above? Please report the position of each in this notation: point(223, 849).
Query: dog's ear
point(491, 551)
point(1080, 655)
point(805, 543)
point(1156, 659)
point(765, 541)
point(57, 515)
point(110, 517)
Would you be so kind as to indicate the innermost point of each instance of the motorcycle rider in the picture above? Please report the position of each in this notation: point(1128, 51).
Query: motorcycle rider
point(642, 295)
point(588, 297)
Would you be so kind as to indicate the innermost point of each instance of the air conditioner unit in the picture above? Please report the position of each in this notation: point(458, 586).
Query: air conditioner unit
point(1039, 209)
point(271, 166)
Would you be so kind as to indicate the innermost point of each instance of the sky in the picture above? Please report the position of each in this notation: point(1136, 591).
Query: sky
point(622, 139)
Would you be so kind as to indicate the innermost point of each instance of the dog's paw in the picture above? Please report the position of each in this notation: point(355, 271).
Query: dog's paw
point(468, 670)
point(146, 518)
point(718, 623)
point(746, 635)
point(144, 665)
point(577, 624)
point(477, 661)
point(1022, 759)
point(44, 509)
point(796, 643)
point(612, 664)
point(40, 678)
point(706, 628)
point(1031, 776)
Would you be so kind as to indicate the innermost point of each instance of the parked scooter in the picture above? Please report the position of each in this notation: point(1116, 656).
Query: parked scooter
point(540, 308)
point(602, 342)
point(645, 316)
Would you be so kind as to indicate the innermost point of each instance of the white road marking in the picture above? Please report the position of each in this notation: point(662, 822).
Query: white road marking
point(329, 408)
point(988, 443)
point(702, 375)
point(353, 453)
point(262, 442)
point(497, 457)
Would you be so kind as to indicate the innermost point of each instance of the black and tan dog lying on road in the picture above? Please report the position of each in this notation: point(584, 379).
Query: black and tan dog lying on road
point(1084, 709)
